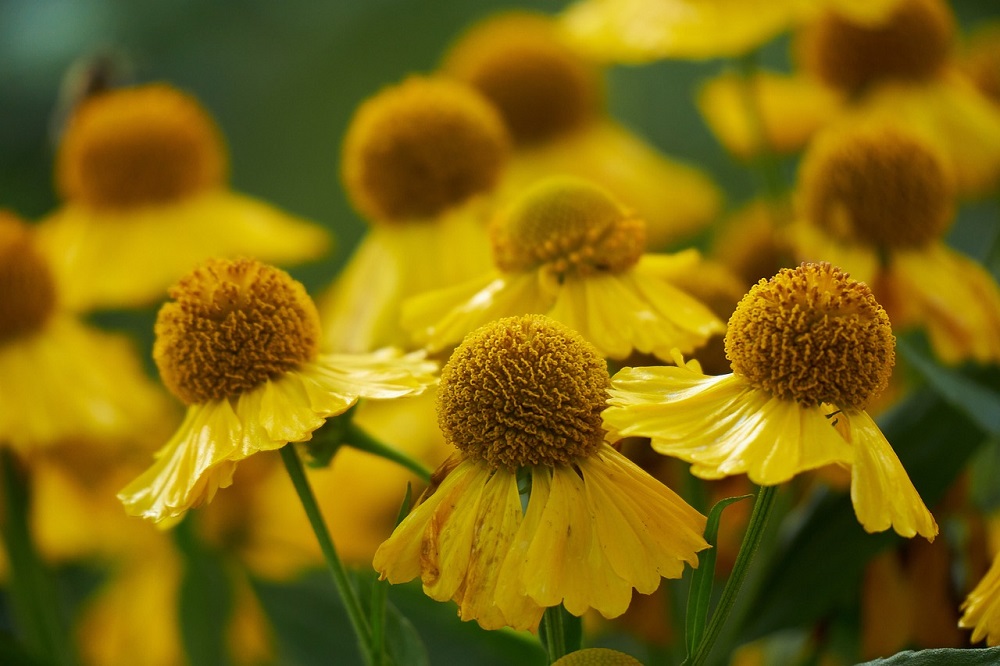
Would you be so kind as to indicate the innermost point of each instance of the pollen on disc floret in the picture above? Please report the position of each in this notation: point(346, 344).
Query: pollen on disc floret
point(569, 225)
point(27, 288)
point(524, 391)
point(878, 185)
point(418, 148)
point(231, 326)
point(129, 147)
point(813, 335)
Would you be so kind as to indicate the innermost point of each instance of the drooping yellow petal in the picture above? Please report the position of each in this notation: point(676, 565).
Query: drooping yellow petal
point(882, 493)
point(981, 609)
point(334, 382)
point(722, 425)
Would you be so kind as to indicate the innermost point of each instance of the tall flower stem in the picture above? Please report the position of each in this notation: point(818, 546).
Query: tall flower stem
point(359, 439)
point(296, 472)
point(559, 632)
point(751, 541)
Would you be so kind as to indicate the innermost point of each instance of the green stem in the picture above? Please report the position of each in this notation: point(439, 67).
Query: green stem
point(751, 540)
point(379, 592)
point(359, 439)
point(553, 633)
point(32, 587)
point(298, 475)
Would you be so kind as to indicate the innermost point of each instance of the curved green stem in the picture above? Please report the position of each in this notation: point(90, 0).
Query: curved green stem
point(553, 633)
point(357, 438)
point(358, 620)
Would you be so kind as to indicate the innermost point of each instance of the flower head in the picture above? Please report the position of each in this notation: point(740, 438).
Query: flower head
point(597, 657)
point(981, 608)
point(29, 292)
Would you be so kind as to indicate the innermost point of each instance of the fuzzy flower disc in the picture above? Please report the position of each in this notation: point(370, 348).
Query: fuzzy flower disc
point(568, 225)
point(597, 657)
point(524, 391)
point(418, 148)
point(813, 335)
point(129, 147)
point(231, 326)
point(879, 186)
point(27, 289)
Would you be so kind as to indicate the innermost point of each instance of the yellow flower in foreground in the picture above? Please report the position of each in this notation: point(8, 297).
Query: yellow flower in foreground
point(142, 171)
point(809, 349)
point(238, 345)
point(521, 399)
point(60, 379)
point(981, 609)
point(569, 250)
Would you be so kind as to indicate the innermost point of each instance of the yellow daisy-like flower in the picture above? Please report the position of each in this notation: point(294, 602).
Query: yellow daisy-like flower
point(981, 609)
point(238, 345)
point(142, 171)
point(419, 161)
point(566, 248)
point(809, 349)
point(552, 101)
point(60, 379)
point(521, 399)
point(877, 200)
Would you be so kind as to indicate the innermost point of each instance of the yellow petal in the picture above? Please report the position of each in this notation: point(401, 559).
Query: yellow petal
point(981, 609)
point(335, 381)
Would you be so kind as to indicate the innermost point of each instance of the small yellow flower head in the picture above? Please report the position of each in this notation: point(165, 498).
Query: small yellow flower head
point(877, 185)
point(129, 147)
point(27, 290)
point(541, 86)
point(421, 147)
point(912, 45)
point(570, 226)
point(597, 657)
point(231, 326)
point(813, 335)
point(524, 391)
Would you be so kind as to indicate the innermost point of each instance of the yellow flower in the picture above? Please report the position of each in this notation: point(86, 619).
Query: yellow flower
point(981, 609)
point(419, 161)
point(981, 59)
point(521, 400)
point(552, 101)
point(809, 349)
point(142, 171)
point(60, 379)
point(876, 200)
point(238, 345)
point(566, 248)
point(597, 657)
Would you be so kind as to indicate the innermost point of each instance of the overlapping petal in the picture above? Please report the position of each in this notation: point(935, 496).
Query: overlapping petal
point(981, 609)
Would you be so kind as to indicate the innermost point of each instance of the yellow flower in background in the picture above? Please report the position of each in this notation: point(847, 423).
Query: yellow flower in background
point(597, 657)
point(552, 101)
point(60, 379)
point(521, 399)
point(809, 350)
point(566, 248)
point(876, 200)
point(142, 172)
point(419, 161)
point(981, 608)
point(980, 59)
point(239, 346)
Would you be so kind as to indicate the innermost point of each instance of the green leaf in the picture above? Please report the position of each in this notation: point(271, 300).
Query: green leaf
point(403, 642)
point(380, 589)
point(205, 604)
point(984, 472)
point(700, 592)
point(950, 656)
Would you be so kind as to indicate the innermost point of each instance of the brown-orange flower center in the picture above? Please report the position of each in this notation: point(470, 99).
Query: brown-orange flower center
point(27, 288)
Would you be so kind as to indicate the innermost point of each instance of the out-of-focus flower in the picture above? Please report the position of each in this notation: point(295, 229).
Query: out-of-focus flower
point(239, 346)
point(566, 248)
point(752, 242)
point(419, 161)
point(809, 349)
point(521, 399)
point(876, 200)
point(552, 100)
point(981, 608)
point(142, 171)
point(980, 59)
point(597, 657)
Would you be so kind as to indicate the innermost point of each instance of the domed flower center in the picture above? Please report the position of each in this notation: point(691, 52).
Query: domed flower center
point(232, 325)
point(421, 147)
point(569, 226)
point(139, 146)
point(597, 657)
point(877, 185)
point(911, 45)
point(542, 87)
point(811, 334)
point(27, 289)
point(524, 391)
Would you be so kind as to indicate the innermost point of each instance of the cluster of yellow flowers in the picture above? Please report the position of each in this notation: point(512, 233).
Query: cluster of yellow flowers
point(540, 301)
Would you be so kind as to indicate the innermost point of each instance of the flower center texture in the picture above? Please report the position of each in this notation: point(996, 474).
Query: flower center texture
point(524, 391)
point(911, 45)
point(27, 289)
point(569, 226)
point(420, 147)
point(231, 326)
point(877, 185)
point(540, 85)
point(139, 146)
point(812, 334)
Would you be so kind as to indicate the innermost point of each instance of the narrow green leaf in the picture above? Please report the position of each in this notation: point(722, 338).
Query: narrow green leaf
point(403, 642)
point(949, 656)
point(380, 589)
point(205, 604)
point(700, 592)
